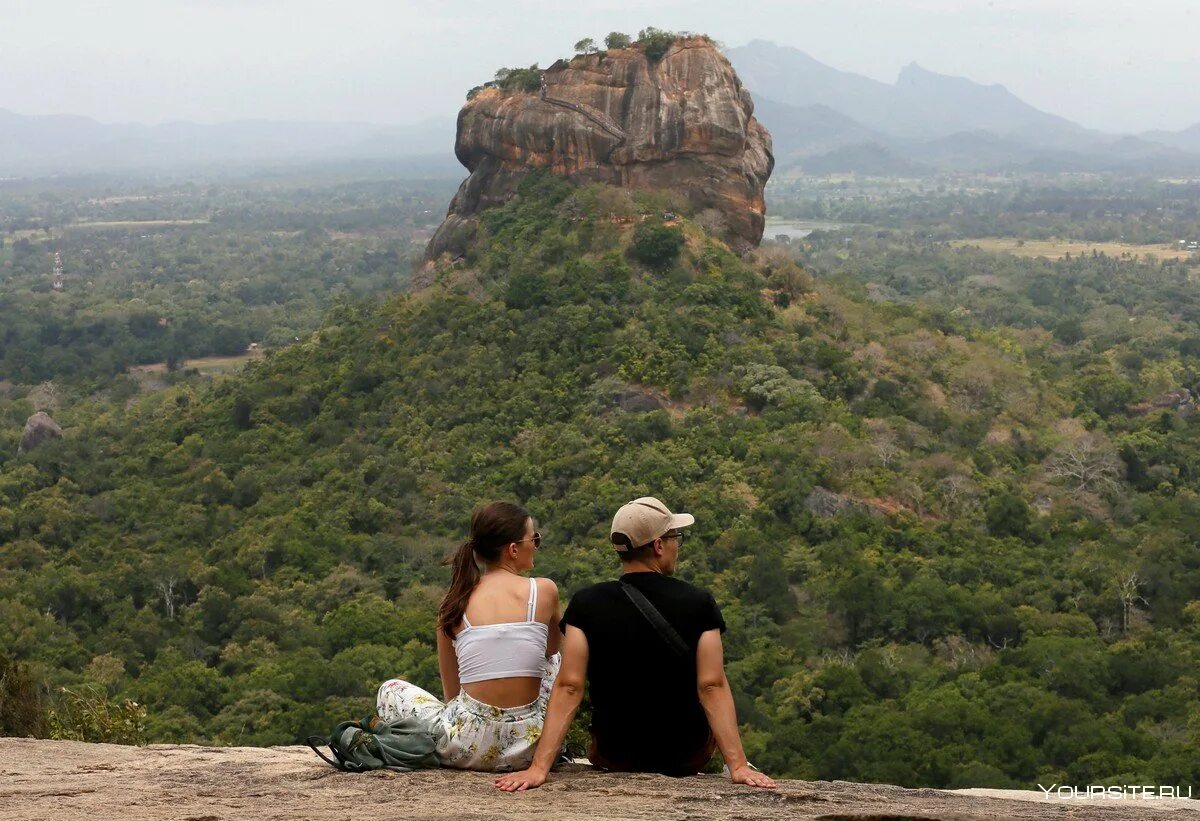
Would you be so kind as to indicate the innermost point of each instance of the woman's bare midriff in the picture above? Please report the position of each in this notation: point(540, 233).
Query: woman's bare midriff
point(505, 692)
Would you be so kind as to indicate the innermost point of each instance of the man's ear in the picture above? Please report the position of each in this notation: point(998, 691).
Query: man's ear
point(659, 547)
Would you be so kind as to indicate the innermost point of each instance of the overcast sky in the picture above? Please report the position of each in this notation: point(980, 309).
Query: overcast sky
point(1117, 65)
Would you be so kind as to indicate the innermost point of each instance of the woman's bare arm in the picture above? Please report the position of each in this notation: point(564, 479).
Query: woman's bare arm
point(564, 701)
point(448, 667)
point(548, 592)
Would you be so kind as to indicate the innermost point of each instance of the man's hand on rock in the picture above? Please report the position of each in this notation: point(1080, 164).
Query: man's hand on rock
point(746, 774)
point(524, 780)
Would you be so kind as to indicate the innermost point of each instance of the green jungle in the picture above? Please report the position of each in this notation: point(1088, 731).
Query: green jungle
point(950, 519)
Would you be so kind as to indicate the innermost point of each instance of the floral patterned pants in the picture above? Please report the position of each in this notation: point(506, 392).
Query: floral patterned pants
point(472, 735)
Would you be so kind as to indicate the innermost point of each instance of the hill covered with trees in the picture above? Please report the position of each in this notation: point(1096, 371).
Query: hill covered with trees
point(947, 553)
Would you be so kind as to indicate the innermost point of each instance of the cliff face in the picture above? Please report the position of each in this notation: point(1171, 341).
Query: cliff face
point(683, 122)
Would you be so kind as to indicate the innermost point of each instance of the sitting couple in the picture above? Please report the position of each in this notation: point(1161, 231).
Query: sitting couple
point(648, 645)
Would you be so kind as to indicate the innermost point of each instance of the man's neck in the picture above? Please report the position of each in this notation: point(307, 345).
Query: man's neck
point(640, 567)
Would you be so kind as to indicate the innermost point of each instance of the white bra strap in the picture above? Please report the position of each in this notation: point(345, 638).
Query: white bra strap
point(466, 623)
point(532, 599)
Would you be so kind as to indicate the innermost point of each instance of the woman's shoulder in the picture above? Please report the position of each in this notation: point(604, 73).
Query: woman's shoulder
point(548, 603)
point(547, 592)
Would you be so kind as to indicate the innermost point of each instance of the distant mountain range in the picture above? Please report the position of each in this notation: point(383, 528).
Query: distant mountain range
point(825, 120)
point(1186, 140)
point(32, 145)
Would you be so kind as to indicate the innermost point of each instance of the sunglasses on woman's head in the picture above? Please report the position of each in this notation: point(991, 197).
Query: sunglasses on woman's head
point(537, 539)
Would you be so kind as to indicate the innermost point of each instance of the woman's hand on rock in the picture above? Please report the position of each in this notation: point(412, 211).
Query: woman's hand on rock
point(524, 780)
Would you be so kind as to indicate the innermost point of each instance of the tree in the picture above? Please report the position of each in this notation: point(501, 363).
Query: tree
point(655, 42)
point(616, 39)
point(242, 413)
point(885, 443)
point(21, 712)
point(257, 718)
point(768, 584)
point(1069, 331)
point(586, 46)
point(656, 245)
point(1007, 514)
point(1088, 463)
point(174, 680)
point(1127, 585)
point(1105, 392)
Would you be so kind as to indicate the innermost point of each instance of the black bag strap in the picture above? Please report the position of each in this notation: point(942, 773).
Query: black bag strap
point(342, 763)
point(324, 742)
point(668, 633)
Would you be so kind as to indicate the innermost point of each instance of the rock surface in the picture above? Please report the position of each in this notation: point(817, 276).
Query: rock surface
point(38, 429)
point(71, 780)
point(683, 123)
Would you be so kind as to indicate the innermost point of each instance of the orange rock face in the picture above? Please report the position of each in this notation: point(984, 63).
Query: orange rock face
point(683, 122)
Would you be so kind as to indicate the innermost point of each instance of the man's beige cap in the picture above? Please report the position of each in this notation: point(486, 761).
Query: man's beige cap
point(644, 520)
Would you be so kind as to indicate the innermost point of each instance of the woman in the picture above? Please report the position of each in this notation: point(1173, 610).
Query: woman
point(498, 642)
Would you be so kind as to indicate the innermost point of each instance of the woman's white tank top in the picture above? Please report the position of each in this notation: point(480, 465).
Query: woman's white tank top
point(511, 649)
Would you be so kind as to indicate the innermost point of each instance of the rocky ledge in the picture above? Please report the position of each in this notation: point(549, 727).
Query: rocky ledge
point(72, 780)
point(682, 122)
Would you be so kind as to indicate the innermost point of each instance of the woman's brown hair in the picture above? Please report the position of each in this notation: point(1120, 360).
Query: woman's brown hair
point(493, 526)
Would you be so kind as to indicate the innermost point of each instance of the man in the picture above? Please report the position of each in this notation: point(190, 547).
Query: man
point(659, 704)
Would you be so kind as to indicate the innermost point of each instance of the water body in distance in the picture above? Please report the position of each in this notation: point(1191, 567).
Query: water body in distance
point(795, 229)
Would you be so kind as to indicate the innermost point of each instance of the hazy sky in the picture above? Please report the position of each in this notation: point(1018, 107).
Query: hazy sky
point(1112, 64)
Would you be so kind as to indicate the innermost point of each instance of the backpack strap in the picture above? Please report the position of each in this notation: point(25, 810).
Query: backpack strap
point(532, 599)
point(664, 629)
point(339, 764)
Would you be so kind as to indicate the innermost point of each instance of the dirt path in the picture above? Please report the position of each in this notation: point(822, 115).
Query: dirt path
point(70, 780)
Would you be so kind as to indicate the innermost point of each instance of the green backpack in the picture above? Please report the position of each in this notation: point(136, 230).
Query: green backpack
point(374, 744)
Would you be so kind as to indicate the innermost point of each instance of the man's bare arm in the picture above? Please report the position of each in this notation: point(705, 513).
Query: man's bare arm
point(717, 700)
point(564, 701)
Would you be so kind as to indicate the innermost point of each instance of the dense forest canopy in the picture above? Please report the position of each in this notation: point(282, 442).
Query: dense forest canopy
point(169, 273)
point(950, 550)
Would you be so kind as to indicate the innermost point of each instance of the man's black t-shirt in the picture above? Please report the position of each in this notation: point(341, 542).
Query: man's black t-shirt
point(646, 712)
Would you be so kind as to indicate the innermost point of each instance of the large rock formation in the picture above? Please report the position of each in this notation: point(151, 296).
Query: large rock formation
point(682, 122)
point(38, 429)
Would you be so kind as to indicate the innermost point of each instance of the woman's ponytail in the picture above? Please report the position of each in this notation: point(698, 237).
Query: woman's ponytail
point(492, 526)
point(464, 575)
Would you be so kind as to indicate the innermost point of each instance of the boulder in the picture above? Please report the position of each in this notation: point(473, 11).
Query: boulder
point(825, 503)
point(633, 400)
point(38, 429)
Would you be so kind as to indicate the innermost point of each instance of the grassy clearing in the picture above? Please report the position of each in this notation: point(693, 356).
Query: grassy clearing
point(213, 365)
point(1059, 248)
point(207, 365)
